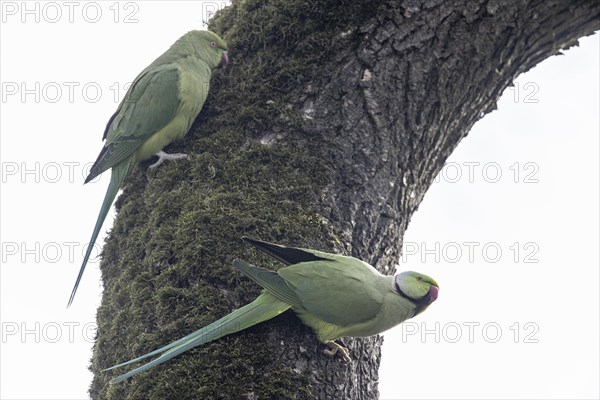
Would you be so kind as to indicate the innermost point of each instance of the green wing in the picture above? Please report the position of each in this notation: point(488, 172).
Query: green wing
point(269, 280)
point(341, 293)
point(150, 104)
point(338, 289)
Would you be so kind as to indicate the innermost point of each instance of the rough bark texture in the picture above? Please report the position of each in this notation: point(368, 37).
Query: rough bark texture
point(325, 132)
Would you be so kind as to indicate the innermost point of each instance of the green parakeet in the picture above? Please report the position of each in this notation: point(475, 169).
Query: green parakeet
point(335, 295)
point(159, 107)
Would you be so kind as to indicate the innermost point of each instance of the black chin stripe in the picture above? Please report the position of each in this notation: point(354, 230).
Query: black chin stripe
point(420, 304)
point(402, 294)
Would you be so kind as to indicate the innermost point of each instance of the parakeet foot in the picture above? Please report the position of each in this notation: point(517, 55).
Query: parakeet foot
point(162, 157)
point(337, 348)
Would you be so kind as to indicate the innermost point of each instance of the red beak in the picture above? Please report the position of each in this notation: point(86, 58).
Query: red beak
point(433, 293)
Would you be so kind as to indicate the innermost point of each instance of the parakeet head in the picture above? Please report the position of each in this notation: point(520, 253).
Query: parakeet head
point(417, 287)
point(208, 46)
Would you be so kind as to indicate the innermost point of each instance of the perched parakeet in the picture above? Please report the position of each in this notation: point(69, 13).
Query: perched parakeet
point(159, 107)
point(335, 295)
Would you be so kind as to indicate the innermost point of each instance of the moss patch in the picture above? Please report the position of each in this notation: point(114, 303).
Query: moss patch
point(166, 265)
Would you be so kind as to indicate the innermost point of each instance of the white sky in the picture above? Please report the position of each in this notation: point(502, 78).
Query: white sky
point(62, 80)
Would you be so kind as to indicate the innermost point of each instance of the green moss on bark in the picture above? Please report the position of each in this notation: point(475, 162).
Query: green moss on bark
point(167, 263)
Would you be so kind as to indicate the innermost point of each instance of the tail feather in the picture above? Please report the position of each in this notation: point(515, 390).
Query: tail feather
point(118, 175)
point(263, 308)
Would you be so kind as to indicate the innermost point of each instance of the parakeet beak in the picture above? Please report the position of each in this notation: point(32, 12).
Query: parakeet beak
point(224, 59)
point(433, 293)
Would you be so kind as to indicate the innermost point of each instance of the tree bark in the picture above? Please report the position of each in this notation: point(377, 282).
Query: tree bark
point(325, 132)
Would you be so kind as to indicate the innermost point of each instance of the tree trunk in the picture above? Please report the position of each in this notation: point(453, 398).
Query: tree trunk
point(326, 130)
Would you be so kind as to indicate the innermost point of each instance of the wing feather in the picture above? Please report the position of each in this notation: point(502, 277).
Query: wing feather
point(339, 293)
point(270, 280)
point(150, 104)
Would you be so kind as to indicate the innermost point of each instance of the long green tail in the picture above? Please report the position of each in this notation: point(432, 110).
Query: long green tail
point(263, 308)
point(118, 175)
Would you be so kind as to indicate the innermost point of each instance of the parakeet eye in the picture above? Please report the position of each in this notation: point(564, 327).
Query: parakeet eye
point(213, 44)
point(419, 279)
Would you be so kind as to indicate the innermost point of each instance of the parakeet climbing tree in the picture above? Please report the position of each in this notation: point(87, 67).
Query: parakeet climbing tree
point(325, 132)
point(159, 107)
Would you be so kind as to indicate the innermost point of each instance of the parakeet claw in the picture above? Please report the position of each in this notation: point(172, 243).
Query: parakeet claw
point(335, 348)
point(162, 156)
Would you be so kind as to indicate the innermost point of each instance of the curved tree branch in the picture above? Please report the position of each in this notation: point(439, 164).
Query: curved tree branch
point(325, 132)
